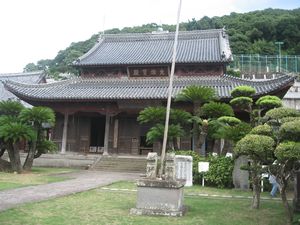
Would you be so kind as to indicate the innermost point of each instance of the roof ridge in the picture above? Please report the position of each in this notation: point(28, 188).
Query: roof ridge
point(40, 85)
point(21, 74)
point(159, 36)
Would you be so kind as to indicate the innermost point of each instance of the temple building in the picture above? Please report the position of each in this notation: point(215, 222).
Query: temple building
point(124, 73)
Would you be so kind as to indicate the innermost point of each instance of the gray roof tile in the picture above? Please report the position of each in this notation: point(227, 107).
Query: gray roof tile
point(28, 78)
point(134, 49)
point(99, 89)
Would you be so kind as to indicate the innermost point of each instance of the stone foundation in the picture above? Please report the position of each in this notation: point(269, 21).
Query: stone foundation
point(159, 197)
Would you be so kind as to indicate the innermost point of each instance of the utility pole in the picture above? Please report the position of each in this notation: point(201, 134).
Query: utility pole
point(164, 146)
point(279, 43)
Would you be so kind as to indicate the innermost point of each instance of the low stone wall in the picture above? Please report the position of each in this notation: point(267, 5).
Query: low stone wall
point(62, 160)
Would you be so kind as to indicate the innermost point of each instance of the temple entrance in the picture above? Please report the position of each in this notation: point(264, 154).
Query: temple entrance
point(97, 134)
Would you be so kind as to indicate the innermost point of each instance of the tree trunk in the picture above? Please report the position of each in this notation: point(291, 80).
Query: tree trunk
point(14, 157)
point(5, 166)
point(2, 150)
point(32, 151)
point(256, 191)
point(216, 146)
point(10, 151)
point(203, 135)
point(287, 207)
point(18, 165)
point(30, 157)
point(227, 146)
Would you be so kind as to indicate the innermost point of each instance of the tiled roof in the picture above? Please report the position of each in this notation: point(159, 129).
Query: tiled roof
point(99, 89)
point(147, 48)
point(294, 92)
point(28, 78)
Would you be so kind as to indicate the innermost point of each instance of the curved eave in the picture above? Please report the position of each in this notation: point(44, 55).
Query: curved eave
point(132, 91)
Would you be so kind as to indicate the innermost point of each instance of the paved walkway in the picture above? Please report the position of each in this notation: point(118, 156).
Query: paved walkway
point(83, 181)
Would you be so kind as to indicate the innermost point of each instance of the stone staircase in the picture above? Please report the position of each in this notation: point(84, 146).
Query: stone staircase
point(120, 164)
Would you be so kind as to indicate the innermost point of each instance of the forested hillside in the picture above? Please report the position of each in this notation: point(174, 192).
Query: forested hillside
point(250, 33)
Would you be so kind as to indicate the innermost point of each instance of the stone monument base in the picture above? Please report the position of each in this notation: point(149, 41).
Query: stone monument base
point(159, 197)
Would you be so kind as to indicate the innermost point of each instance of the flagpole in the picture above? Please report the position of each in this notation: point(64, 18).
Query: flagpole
point(164, 146)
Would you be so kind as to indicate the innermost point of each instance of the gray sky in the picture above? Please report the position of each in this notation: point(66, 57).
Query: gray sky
point(37, 29)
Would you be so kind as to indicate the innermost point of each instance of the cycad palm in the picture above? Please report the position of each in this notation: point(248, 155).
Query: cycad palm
point(36, 116)
point(197, 95)
point(12, 133)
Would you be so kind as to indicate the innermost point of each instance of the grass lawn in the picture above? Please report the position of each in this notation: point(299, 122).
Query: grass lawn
point(39, 175)
point(100, 206)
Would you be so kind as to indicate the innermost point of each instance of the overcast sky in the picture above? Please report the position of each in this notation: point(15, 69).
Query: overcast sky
point(37, 29)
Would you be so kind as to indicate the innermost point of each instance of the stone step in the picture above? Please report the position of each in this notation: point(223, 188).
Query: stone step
point(121, 164)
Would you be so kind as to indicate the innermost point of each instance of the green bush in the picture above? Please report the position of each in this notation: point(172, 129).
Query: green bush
point(216, 110)
point(262, 130)
point(243, 91)
point(230, 120)
point(241, 102)
point(258, 147)
point(288, 151)
point(220, 171)
point(290, 131)
point(269, 101)
point(289, 119)
point(279, 113)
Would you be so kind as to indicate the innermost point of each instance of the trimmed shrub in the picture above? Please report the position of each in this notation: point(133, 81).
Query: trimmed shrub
point(279, 113)
point(288, 151)
point(230, 120)
point(289, 119)
point(262, 130)
point(269, 101)
point(245, 91)
point(216, 110)
point(290, 131)
point(241, 102)
point(258, 147)
point(220, 171)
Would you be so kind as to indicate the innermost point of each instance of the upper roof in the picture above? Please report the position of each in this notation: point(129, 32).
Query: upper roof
point(100, 89)
point(28, 78)
point(201, 46)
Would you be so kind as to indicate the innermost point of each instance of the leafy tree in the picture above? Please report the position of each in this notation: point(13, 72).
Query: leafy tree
point(259, 149)
point(288, 156)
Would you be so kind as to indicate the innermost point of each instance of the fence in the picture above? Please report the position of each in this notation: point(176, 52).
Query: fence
point(262, 64)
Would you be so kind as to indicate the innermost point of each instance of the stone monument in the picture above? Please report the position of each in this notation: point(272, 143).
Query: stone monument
point(159, 196)
point(184, 169)
point(240, 177)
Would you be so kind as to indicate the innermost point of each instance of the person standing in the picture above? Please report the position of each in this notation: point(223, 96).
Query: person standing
point(275, 185)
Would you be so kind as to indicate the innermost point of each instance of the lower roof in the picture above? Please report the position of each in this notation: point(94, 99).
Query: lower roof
point(28, 77)
point(100, 89)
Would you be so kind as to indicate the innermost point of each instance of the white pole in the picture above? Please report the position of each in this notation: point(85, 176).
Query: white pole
point(163, 151)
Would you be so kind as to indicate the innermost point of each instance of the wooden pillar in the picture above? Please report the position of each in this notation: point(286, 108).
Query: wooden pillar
point(65, 134)
point(116, 129)
point(106, 136)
